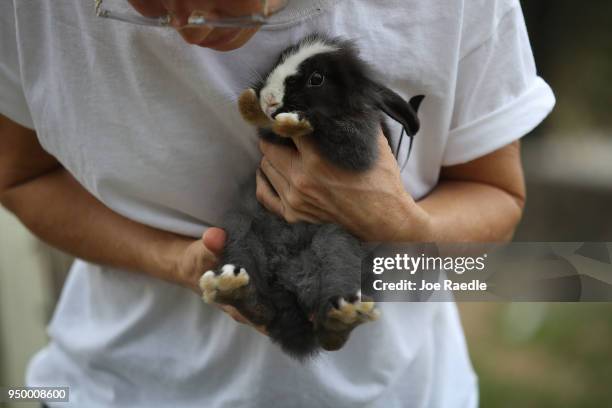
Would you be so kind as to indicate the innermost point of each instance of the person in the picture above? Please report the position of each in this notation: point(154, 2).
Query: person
point(122, 145)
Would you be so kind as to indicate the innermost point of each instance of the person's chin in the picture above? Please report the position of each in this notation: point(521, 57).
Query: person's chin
point(229, 41)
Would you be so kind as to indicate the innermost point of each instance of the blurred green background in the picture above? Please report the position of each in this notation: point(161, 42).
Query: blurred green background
point(558, 355)
point(541, 355)
point(572, 43)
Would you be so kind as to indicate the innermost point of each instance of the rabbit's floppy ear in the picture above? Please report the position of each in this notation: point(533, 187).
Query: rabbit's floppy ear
point(401, 111)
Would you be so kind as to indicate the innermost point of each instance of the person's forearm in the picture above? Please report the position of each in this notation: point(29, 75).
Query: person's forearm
point(57, 209)
point(455, 211)
point(471, 212)
point(478, 201)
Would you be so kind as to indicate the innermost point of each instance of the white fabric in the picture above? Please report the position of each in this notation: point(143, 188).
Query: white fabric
point(148, 125)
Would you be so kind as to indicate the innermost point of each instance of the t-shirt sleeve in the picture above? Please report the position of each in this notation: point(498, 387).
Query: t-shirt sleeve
point(498, 95)
point(13, 103)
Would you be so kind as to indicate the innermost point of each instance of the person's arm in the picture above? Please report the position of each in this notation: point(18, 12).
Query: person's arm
point(56, 208)
point(480, 201)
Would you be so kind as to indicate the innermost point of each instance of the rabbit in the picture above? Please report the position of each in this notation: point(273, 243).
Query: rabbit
point(302, 281)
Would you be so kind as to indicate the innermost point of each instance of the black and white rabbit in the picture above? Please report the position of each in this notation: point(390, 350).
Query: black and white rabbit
point(302, 281)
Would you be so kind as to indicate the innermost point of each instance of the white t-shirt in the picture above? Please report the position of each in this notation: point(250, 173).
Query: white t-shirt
point(148, 125)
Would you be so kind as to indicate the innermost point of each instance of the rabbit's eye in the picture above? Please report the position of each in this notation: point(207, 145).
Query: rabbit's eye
point(316, 79)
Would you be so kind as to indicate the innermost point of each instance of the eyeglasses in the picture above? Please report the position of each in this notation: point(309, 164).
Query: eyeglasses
point(263, 12)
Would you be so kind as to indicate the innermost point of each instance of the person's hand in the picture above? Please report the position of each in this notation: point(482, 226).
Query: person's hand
point(299, 185)
point(201, 256)
point(220, 39)
point(193, 258)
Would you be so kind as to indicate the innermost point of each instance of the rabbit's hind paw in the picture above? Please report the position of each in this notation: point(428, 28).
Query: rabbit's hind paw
point(226, 285)
point(350, 312)
point(343, 316)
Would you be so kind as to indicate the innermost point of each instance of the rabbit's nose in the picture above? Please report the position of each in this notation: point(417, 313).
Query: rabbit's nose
point(272, 105)
point(271, 109)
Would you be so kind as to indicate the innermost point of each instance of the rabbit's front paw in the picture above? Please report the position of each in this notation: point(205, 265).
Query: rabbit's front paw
point(224, 286)
point(249, 107)
point(343, 316)
point(290, 124)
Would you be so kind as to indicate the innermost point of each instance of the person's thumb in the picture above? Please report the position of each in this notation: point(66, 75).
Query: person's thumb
point(214, 240)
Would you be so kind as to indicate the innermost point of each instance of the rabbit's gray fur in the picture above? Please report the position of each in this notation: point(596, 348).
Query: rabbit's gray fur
point(300, 273)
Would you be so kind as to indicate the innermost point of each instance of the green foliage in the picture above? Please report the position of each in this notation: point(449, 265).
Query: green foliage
point(566, 362)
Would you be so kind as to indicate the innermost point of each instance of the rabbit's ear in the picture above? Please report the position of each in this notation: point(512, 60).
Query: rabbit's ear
point(400, 110)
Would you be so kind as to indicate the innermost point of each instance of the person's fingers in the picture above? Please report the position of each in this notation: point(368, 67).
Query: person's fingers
point(309, 154)
point(304, 144)
point(284, 158)
point(293, 206)
point(275, 193)
point(278, 181)
point(238, 317)
point(384, 146)
point(234, 314)
point(214, 240)
point(277, 205)
point(203, 261)
point(267, 196)
point(261, 329)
